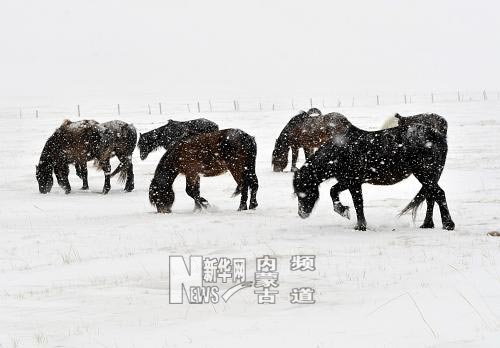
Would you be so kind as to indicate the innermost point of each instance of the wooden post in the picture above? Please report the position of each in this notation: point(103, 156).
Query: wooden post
point(260, 106)
point(405, 98)
point(149, 109)
point(78, 107)
point(352, 101)
point(273, 107)
point(485, 97)
point(234, 104)
point(210, 104)
point(311, 102)
point(189, 109)
point(159, 105)
point(338, 103)
point(458, 95)
point(199, 110)
point(378, 101)
point(118, 108)
point(36, 113)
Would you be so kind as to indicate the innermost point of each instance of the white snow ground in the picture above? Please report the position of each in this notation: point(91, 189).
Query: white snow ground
point(87, 270)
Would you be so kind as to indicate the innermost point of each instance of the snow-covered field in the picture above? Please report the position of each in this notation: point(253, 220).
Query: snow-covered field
point(88, 270)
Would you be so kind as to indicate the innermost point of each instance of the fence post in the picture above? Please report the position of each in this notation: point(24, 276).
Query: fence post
point(118, 107)
point(352, 101)
point(458, 95)
point(432, 97)
point(189, 109)
point(311, 102)
point(273, 107)
point(149, 109)
point(20, 113)
point(260, 106)
point(159, 105)
point(78, 107)
point(210, 104)
point(234, 104)
point(36, 113)
point(485, 96)
point(199, 110)
point(405, 98)
point(339, 103)
point(378, 101)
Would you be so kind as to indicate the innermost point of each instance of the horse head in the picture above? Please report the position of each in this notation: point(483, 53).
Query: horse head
point(44, 177)
point(307, 192)
point(280, 156)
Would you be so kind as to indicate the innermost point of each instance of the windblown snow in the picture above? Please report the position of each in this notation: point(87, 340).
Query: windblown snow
point(91, 270)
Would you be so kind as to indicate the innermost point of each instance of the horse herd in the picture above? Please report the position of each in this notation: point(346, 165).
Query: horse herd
point(412, 145)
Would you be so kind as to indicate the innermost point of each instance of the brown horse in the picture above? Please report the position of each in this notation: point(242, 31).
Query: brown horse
point(82, 141)
point(307, 132)
point(209, 154)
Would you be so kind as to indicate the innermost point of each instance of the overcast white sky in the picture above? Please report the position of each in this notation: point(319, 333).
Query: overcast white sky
point(247, 48)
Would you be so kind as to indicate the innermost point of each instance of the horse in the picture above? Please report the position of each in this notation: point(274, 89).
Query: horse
point(418, 146)
point(82, 141)
point(208, 154)
point(172, 132)
point(304, 131)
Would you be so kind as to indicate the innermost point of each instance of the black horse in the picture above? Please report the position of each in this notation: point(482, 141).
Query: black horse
point(417, 146)
point(172, 132)
point(82, 141)
point(209, 154)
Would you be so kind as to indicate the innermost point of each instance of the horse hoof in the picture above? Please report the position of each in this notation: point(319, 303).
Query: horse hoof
point(105, 191)
point(84, 188)
point(68, 191)
point(129, 189)
point(427, 225)
point(253, 206)
point(450, 226)
point(342, 210)
point(242, 207)
point(163, 210)
point(360, 228)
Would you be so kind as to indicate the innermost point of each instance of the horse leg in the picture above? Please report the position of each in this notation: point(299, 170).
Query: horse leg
point(81, 171)
point(440, 197)
point(337, 206)
point(295, 156)
point(357, 198)
point(254, 187)
point(193, 191)
point(238, 173)
point(106, 167)
point(62, 172)
point(126, 161)
point(428, 221)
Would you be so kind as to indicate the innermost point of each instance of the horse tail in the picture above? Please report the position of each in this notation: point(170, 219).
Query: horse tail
point(129, 133)
point(415, 203)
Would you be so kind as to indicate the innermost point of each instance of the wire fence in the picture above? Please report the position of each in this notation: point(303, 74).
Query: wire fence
point(173, 106)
